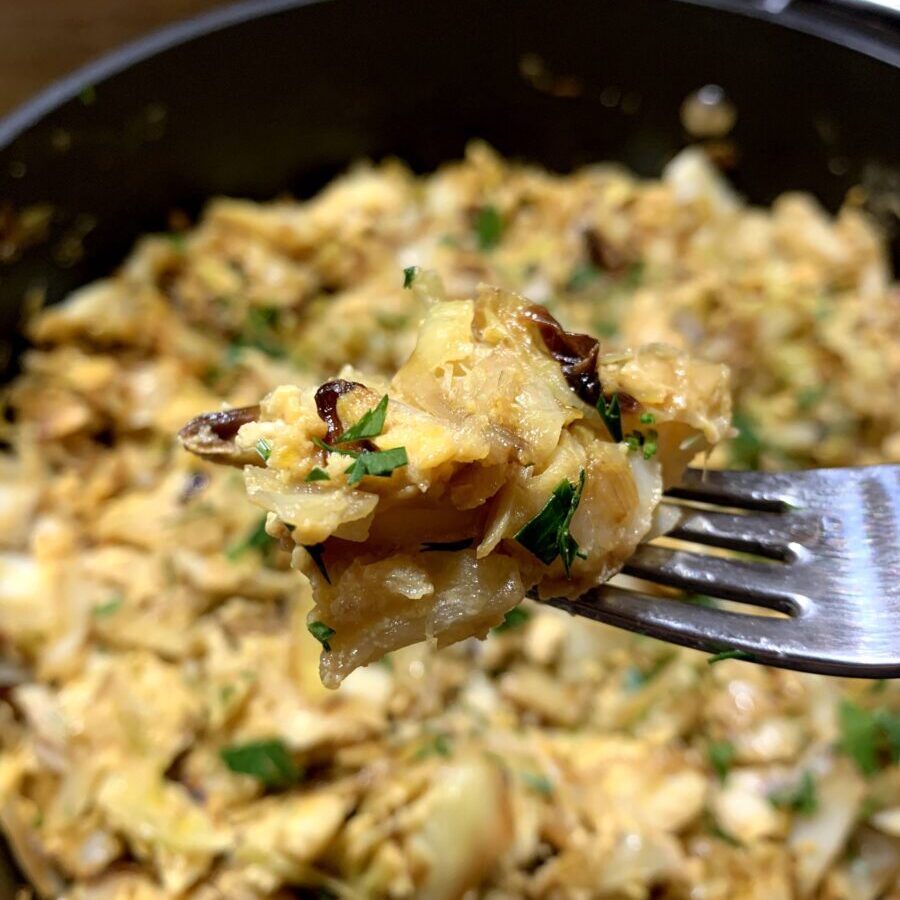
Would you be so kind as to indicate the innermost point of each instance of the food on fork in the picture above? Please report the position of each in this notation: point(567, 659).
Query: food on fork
point(505, 455)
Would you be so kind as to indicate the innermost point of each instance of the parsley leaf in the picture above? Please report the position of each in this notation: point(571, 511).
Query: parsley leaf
point(268, 761)
point(317, 474)
point(264, 449)
point(447, 546)
point(440, 745)
point(409, 276)
point(488, 227)
point(514, 618)
point(747, 448)
point(729, 654)
point(611, 415)
point(102, 610)
point(322, 633)
point(370, 425)
point(547, 536)
point(721, 756)
point(537, 782)
point(256, 538)
point(647, 418)
point(582, 276)
point(317, 552)
point(377, 462)
point(870, 737)
point(801, 798)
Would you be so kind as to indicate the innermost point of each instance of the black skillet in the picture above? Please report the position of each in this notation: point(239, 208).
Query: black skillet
point(275, 96)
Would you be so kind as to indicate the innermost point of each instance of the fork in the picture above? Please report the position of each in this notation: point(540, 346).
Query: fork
point(825, 548)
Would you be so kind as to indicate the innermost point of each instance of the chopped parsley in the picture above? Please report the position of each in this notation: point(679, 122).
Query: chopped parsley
point(409, 276)
point(547, 535)
point(514, 618)
point(809, 397)
point(377, 462)
point(258, 333)
point(721, 756)
point(256, 538)
point(611, 415)
point(582, 276)
point(447, 546)
point(606, 328)
point(633, 276)
point(264, 449)
point(802, 798)
point(268, 761)
point(439, 745)
point(647, 418)
point(870, 737)
point(537, 782)
point(322, 633)
point(746, 449)
point(370, 425)
point(317, 474)
point(367, 462)
point(716, 830)
point(103, 610)
point(317, 552)
point(488, 227)
point(729, 654)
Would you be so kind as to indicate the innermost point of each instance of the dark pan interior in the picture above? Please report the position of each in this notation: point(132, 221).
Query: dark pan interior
point(274, 96)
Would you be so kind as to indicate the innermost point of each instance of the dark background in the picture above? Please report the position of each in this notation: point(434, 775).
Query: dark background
point(44, 39)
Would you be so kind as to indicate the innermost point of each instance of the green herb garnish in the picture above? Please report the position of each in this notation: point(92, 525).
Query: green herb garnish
point(409, 276)
point(611, 415)
point(537, 782)
point(381, 463)
point(370, 425)
point(440, 745)
point(582, 276)
point(256, 538)
point(871, 738)
point(264, 449)
point(547, 535)
point(801, 798)
point(267, 761)
point(747, 448)
point(809, 397)
point(102, 610)
point(447, 546)
point(729, 654)
point(514, 618)
point(647, 418)
point(317, 474)
point(716, 830)
point(650, 445)
point(322, 633)
point(488, 227)
point(88, 95)
point(720, 755)
point(317, 552)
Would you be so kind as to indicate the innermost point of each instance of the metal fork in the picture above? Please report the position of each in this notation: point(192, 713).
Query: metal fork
point(830, 539)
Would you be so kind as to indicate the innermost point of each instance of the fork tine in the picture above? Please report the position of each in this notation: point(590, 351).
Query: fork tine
point(763, 533)
point(764, 491)
point(777, 642)
point(762, 584)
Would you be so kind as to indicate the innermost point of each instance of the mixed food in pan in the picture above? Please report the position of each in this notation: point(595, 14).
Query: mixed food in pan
point(411, 400)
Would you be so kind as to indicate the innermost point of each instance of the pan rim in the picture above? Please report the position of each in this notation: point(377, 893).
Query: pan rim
point(858, 37)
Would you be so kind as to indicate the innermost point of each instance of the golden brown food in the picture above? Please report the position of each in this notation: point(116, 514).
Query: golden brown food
point(163, 729)
point(505, 454)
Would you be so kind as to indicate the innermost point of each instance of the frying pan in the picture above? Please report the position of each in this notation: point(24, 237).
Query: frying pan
point(279, 95)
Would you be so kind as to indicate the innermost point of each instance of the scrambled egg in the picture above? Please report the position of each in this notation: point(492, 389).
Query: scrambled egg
point(163, 729)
